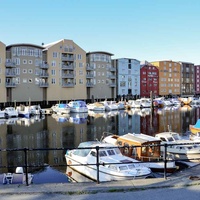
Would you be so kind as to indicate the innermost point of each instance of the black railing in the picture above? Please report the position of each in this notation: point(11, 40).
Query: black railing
point(26, 165)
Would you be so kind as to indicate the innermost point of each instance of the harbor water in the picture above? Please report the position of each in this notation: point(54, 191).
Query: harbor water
point(67, 131)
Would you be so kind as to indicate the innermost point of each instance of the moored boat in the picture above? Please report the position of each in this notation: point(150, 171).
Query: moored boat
point(195, 128)
point(144, 148)
point(112, 164)
point(78, 106)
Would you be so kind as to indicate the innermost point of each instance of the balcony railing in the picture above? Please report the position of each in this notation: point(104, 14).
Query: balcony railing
point(70, 67)
point(10, 85)
point(11, 74)
point(44, 84)
point(44, 66)
point(112, 69)
point(67, 84)
point(44, 75)
point(10, 64)
point(65, 75)
point(91, 75)
point(112, 84)
point(89, 84)
point(67, 58)
point(89, 68)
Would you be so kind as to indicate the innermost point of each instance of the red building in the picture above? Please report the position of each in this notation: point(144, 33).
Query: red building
point(149, 80)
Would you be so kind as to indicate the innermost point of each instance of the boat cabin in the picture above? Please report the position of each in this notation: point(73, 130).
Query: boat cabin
point(140, 146)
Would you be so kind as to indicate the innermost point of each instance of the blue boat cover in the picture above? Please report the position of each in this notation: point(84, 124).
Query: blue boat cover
point(197, 125)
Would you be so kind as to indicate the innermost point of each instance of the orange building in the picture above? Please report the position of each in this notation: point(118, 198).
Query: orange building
point(169, 77)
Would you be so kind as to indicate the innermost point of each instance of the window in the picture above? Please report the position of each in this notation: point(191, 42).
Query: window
point(24, 80)
point(80, 81)
point(79, 57)
point(30, 80)
point(80, 72)
point(24, 71)
point(30, 71)
point(37, 71)
point(30, 62)
point(53, 81)
point(55, 54)
point(53, 64)
point(53, 72)
point(80, 64)
point(24, 61)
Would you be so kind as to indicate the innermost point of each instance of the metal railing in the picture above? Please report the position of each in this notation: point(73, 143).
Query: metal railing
point(26, 165)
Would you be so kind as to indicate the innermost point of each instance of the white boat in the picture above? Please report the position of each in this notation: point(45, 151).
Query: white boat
point(96, 106)
point(110, 105)
point(146, 152)
point(113, 165)
point(78, 118)
point(179, 147)
point(19, 177)
point(36, 110)
point(78, 106)
point(195, 137)
point(24, 111)
point(2, 114)
point(167, 102)
point(61, 108)
point(143, 103)
point(10, 112)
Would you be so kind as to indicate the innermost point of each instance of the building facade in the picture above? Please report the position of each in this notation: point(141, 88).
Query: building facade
point(128, 76)
point(197, 79)
point(169, 77)
point(67, 71)
point(187, 79)
point(100, 76)
point(149, 80)
point(2, 72)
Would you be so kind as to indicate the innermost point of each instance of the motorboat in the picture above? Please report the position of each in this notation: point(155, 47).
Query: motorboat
point(96, 107)
point(2, 114)
point(78, 118)
point(112, 164)
point(195, 128)
point(10, 112)
point(19, 177)
point(61, 108)
point(144, 148)
point(195, 137)
point(24, 111)
point(180, 147)
point(143, 103)
point(110, 105)
point(158, 102)
point(78, 106)
point(36, 110)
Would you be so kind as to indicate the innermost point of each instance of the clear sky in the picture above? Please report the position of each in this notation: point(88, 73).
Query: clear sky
point(141, 29)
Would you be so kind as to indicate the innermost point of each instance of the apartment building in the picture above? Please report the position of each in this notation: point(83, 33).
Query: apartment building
point(2, 72)
point(187, 79)
point(66, 72)
point(23, 72)
point(149, 80)
point(197, 79)
point(100, 75)
point(169, 77)
point(128, 76)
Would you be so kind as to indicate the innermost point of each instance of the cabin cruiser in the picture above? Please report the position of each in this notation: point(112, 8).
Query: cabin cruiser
point(144, 148)
point(179, 147)
point(112, 164)
point(10, 112)
point(78, 106)
point(96, 106)
point(61, 108)
point(195, 128)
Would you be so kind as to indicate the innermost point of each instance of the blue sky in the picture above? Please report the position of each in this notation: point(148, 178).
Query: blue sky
point(141, 29)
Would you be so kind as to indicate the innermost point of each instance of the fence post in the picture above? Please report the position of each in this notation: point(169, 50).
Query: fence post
point(97, 164)
point(26, 165)
point(165, 160)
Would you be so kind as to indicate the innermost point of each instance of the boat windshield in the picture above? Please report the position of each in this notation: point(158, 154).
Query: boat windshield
point(176, 137)
point(123, 168)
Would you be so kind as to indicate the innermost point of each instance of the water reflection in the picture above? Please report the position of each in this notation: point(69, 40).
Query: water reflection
point(68, 131)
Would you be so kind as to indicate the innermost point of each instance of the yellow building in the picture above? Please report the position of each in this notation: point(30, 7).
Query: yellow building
point(2, 72)
point(169, 77)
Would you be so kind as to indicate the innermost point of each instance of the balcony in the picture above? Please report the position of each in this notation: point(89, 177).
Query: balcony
point(68, 50)
point(70, 67)
point(112, 84)
point(112, 69)
point(10, 64)
point(44, 66)
point(10, 85)
point(68, 85)
point(44, 75)
point(67, 75)
point(67, 58)
point(89, 68)
point(90, 75)
point(44, 85)
point(11, 74)
point(89, 84)
point(112, 76)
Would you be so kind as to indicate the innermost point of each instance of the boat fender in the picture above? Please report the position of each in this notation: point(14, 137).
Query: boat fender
point(69, 162)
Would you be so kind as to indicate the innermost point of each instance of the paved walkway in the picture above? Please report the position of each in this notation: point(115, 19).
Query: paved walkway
point(184, 178)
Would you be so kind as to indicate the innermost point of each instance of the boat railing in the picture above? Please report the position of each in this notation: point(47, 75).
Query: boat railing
point(28, 163)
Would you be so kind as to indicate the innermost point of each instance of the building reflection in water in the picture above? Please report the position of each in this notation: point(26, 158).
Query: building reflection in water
point(68, 131)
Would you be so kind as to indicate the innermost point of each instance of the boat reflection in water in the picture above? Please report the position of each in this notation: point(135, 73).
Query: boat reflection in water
point(78, 118)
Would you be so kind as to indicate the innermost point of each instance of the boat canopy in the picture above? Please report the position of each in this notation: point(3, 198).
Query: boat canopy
point(197, 125)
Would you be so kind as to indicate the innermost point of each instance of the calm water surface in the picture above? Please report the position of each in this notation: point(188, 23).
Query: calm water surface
point(69, 130)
